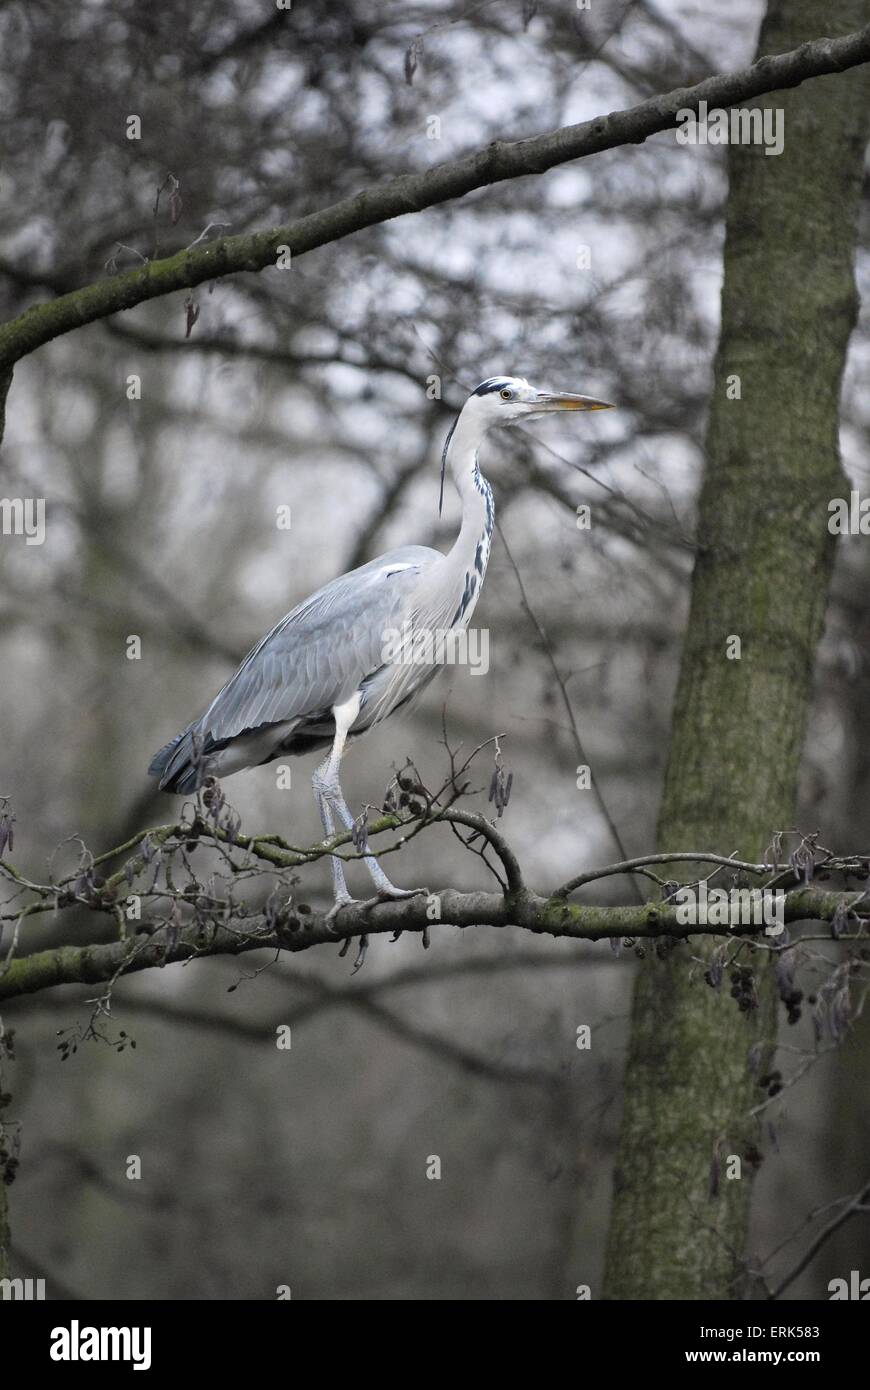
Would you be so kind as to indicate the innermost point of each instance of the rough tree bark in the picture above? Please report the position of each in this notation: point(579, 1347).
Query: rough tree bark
point(788, 307)
point(5, 383)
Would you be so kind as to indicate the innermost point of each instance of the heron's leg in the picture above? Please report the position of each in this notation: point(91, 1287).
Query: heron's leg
point(328, 786)
point(327, 790)
point(339, 885)
point(382, 884)
point(325, 781)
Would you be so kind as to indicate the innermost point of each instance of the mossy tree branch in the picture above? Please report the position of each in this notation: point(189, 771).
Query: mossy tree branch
point(100, 964)
point(294, 929)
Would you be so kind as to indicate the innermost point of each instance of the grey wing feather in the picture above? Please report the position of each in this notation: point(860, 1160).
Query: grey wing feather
point(315, 657)
point(321, 652)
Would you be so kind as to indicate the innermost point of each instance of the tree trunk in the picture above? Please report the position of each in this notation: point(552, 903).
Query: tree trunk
point(788, 307)
point(4, 1204)
point(5, 383)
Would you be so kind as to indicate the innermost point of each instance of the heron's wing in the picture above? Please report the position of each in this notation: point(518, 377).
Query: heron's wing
point(322, 651)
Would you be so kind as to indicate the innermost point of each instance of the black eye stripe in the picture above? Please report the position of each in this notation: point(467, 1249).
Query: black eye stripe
point(494, 384)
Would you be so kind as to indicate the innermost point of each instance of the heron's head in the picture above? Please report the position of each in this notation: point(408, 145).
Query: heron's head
point(508, 400)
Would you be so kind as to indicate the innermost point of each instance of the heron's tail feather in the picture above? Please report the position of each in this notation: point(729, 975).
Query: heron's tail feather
point(179, 764)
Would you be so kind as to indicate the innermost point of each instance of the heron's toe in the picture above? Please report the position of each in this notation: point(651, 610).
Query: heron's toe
point(342, 900)
point(361, 954)
point(388, 892)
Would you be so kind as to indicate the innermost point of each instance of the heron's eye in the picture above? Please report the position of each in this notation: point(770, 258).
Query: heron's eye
point(506, 394)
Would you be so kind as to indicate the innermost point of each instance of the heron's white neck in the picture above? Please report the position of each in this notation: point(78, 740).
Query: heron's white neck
point(470, 552)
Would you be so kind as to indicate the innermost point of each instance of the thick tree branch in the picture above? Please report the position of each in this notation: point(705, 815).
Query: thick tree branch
point(413, 192)
point(100, 964)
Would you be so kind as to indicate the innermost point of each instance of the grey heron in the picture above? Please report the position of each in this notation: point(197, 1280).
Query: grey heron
point(322, 676)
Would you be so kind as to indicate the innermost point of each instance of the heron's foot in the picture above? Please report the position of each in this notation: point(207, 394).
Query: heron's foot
point(387, 892)
point(341, 900)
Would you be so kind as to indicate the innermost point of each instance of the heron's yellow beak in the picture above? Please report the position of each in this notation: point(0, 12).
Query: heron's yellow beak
point(564, 400)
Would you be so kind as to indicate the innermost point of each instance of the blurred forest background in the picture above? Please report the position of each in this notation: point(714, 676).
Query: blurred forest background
point(307, 387)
